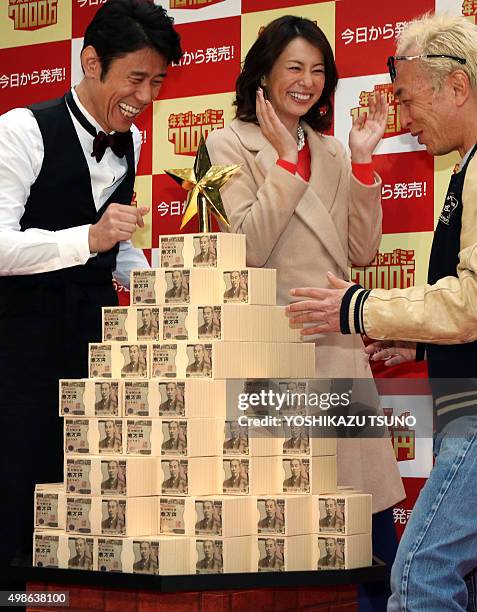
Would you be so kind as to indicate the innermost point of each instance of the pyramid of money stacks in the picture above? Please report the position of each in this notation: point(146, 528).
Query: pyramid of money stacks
point(171, 467)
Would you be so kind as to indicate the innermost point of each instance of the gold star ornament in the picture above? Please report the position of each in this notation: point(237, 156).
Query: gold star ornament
point(203, 182)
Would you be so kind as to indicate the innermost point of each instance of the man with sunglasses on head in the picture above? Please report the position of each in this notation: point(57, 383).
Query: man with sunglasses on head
point(67, 170)
point(434, 77)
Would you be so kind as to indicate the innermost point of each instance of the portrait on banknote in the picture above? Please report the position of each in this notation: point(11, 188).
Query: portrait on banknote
point(114, 516)
point(175, 476)
point(177, 289)
point(146, 557)
point(332, 514)
point(106, 398)
point(296, 475)
point(272, 515)
point(210, 557)
point(148, 323)
point(110, 436)
point(208, 517)
point(81, 553)
point(200, 360)
point(205, 250)
point(134, 360)
point(235, 439)
point(113, 477)
point(236, 476)
point(272, 554)
point(331, 553)
point(172, 399)
point(174, 434)
point(236, 286)
point(209, 323)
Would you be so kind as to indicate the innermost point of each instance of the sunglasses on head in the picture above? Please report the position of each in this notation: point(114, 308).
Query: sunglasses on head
point(393, 58)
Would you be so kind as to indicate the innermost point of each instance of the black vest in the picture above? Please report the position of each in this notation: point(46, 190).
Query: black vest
point(61, 196)
point(53, 315)
point(457, 360)
point(452, 368)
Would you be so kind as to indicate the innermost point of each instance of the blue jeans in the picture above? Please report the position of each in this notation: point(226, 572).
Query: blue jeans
point(437, 555)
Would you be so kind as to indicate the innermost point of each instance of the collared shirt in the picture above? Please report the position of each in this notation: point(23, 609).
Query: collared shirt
point(35, 250)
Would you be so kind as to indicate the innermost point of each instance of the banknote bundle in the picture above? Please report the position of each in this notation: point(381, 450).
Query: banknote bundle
point(171, 464)
point(214, 359)
point(203, 286)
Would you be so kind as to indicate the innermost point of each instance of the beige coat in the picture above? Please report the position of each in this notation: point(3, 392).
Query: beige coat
point(303, 230)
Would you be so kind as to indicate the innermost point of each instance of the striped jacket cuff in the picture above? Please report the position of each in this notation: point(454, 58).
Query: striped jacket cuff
point(351, 312)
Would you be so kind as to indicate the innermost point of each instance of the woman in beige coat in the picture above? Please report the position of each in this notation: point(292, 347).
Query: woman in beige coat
point(304, 208)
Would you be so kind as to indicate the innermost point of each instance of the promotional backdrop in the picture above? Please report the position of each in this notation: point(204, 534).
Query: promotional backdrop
point(40, 44)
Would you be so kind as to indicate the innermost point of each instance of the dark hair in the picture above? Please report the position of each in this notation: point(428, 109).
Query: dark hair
point(263, 54)
point(124, 26)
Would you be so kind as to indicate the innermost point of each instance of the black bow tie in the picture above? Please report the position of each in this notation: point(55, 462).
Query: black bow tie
point(119, 141)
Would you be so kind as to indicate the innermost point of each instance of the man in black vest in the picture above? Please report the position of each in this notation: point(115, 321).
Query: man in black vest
point(67, 170)
point(435, 81)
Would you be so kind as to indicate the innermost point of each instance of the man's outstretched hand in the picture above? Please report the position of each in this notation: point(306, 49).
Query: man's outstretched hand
point(321, 308)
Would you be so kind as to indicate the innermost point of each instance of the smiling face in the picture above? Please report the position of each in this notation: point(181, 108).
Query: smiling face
point(427, 114)
point(131, 83)
point(296, 80)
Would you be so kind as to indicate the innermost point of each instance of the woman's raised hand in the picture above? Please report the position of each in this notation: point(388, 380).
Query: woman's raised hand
point(368, 129)
point(274, 130)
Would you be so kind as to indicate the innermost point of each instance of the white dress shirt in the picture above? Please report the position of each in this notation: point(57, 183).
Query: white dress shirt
point(35, 250)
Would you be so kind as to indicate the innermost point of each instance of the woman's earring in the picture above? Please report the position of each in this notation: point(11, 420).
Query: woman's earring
point(262, 81)
point(323, 110)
